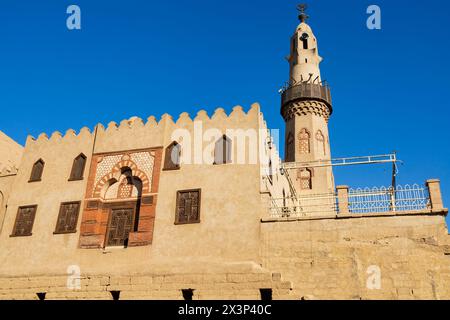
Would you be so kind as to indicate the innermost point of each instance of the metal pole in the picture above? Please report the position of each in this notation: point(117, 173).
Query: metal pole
point(394, 184)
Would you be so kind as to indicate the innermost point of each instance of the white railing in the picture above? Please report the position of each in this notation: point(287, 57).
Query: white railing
point(406, 198)
point(314, 204)
point(374, 200)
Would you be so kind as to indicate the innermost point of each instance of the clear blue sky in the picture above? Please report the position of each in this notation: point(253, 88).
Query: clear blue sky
point(390, 87)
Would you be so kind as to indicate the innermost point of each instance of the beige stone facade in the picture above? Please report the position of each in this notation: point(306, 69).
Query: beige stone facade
point(147, 209)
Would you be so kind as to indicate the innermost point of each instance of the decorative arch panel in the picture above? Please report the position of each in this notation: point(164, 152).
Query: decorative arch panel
point(117, 181)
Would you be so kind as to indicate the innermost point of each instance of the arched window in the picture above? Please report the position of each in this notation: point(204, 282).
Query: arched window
point(321, 141)
point(270, 172)
point(172, 156)
point(304, 144)
point(222, 151)
point(290, 147)
point(304, 39)
point(294, 52)
point(305, 176)
point(78, 166)
point(36, 172)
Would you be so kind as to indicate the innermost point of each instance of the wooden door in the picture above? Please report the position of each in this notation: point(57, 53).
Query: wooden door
point(120, 225)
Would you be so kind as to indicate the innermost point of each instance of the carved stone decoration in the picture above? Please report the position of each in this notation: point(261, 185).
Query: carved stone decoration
point(321, 140)
point(125, 189)
point(306, 107)
point(304, 143)
point(121, 181)
point(305, 177)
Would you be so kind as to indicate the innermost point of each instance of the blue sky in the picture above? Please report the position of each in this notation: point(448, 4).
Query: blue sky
point(390, 87)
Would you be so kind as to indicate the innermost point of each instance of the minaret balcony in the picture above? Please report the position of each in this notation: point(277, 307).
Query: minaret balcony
point(306, 91)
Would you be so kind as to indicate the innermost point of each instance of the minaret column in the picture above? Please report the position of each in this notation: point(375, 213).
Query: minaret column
point(306, 108)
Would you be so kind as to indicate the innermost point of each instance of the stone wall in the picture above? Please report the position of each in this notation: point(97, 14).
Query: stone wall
point(206, 286)
point(230, 206)
point(10, 153)
point(331, 257)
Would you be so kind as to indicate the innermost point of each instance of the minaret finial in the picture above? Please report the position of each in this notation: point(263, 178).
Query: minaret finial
point(302, 8)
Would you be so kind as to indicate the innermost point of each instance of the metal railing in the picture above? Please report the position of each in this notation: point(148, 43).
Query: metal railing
point(306, 91)
point(313, 204)
point(406, 198)
point(374, 200)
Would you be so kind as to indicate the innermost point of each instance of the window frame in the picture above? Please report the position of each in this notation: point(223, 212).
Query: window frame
point(33, 168)
point(304, 136)
point(227, 153)
point(167, 155)
point(309, 179)
point(71, 176)
point(14, 234)
point(124, 205)
point(177, 222)
point(59, 214)
point(270, 173)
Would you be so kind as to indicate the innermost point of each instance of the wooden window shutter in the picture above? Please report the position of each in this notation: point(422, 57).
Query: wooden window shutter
point(172, 156)
point(188, 206)
point(222, 151)
point(67, 218)
point(24, 221)
point(78, 166)
point(37, 170)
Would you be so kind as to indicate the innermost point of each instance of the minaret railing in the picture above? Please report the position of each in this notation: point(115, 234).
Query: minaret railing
point(304, 91)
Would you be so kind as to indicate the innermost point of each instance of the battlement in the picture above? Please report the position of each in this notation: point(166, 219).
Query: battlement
point(219, 119)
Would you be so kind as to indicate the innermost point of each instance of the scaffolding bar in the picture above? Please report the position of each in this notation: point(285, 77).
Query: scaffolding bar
point(385, 158)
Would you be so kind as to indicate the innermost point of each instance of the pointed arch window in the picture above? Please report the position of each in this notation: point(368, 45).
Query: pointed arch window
point(222, 151)
point(294, 52)
point(290, 147)
point(304, 144)
point(37, 170)
point(321, 141)
point(305, 176)
point(172, 156)
point(79, 163)
point(304, 38)
point(270, 172)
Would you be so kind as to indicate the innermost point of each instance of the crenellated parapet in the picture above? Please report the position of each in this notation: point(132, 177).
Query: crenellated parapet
point(151, 125)
point(58, 138)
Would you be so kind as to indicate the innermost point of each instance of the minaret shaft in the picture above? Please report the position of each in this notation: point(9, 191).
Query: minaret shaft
point(306, 109)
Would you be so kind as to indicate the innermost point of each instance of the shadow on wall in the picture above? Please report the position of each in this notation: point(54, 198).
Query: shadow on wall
point(2, 198)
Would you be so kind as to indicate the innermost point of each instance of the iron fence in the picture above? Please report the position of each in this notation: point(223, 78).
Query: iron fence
point(368, 200)
point(402, 198)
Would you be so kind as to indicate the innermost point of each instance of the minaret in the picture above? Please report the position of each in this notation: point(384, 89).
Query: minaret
point(306, 108)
